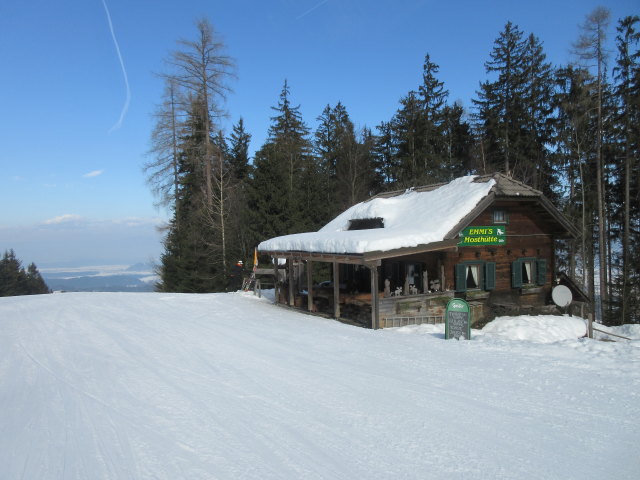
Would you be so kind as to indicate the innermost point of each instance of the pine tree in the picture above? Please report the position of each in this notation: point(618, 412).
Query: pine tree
point(15, 280)
point(239, 151)
point(426, 141)
point(241, 232)
point(35, 283)
point(326, 147)
point(408, 138)
point(627, 95)
point(500, 109)
point(433, 97)
point(536, 167)
point(345, 160)
point(12, 278)
point(279, 203)
point(458, 143)
point(386, 160)
point(355, 170)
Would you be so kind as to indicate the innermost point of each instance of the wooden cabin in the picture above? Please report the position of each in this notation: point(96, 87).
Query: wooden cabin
point(399, 257)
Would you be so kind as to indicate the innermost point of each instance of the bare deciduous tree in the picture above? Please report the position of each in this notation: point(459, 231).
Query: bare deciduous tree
point(162, 170)
point(202, 69)
point(590, 49)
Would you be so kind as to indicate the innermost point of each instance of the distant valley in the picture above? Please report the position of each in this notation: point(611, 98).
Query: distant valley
point(102, 278)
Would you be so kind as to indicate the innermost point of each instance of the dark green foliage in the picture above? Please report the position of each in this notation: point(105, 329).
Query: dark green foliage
point(458, 143)
point(427, 141)
point(241, 234)
point(286, 184)
point(190, 262)
point(15, 280)
point(204, 169)
point(239, 151)
point(564, 131)
point(345, 159)
point(514, 110)
point(625, 193)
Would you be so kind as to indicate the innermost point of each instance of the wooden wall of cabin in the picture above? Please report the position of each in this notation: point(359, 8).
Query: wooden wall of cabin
point(527, 237)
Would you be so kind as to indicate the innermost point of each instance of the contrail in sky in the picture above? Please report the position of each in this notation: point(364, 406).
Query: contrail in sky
point(125, 107)
point(311, 9)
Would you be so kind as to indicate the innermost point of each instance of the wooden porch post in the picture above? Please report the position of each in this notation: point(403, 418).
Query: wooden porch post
point(336, 290)
point(374, 296)
point(275, 279)
point(309, 285)
point(290, 275)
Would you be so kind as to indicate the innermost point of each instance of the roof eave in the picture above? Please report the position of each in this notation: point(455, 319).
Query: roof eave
point(366, 258)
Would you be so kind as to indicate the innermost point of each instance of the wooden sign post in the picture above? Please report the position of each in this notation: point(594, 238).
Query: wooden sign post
point(457, 320)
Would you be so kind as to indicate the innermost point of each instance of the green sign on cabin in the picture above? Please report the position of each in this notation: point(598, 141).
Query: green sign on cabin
point(483, 235)
point(457, 320)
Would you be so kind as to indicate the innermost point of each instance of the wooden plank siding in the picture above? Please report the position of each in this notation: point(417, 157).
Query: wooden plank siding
point(527, 237)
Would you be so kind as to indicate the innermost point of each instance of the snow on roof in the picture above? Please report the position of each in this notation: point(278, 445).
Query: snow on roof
point(410, 219)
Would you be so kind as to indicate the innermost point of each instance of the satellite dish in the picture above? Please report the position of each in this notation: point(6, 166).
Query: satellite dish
point(561, 296)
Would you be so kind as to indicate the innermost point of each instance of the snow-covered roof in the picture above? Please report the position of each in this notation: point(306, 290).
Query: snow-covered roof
point(410, 219)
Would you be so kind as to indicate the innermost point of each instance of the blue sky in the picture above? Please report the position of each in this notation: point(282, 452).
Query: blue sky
point(75, 131)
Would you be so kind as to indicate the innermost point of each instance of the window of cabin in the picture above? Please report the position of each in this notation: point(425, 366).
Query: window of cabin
point(528, 272)
point(475, 276)
point(366, 223)
point(500, 216)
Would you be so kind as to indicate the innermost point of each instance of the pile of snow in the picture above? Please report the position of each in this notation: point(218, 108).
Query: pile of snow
point(176, 386)
point(405, 217)
point(628, 331)
point(538, 328)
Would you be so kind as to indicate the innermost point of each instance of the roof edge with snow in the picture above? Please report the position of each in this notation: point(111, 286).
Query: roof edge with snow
point(446, 208)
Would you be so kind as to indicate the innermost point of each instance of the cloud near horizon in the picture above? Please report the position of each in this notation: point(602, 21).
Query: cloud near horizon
point(75, 220)
point(72, 238)
point(66, 218)
point(94, 173)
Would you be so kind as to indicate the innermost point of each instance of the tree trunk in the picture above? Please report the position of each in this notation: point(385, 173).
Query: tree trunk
point(602, 250)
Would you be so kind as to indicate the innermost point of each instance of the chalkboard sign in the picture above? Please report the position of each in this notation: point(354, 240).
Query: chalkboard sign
point(457, 320)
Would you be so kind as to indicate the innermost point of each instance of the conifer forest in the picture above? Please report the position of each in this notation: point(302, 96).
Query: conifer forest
point(571, 131)
point(16, 280)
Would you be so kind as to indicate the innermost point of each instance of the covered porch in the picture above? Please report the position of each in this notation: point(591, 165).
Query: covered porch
point(375, 290)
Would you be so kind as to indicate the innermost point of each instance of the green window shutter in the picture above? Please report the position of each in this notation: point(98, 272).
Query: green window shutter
point(489, 275)
point(461, 277)
point(541, 271)
point(516, 274)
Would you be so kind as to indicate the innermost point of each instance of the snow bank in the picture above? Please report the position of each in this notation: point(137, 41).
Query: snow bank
point(534, 329)
point(410, 219)
point(538, 329)
point(631, 331)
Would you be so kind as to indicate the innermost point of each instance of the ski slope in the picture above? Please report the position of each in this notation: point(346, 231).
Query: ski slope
point(229, 386)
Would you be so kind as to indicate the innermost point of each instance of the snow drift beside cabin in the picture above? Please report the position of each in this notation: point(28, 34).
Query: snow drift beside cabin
point(537, 328)
point(410, 219)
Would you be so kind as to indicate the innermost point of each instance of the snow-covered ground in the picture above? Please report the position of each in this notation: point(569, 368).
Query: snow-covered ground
point(228, 386)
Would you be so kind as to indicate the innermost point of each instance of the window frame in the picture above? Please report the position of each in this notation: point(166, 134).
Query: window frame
point(505, 215)
point(486, 276)
point(537, 275)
